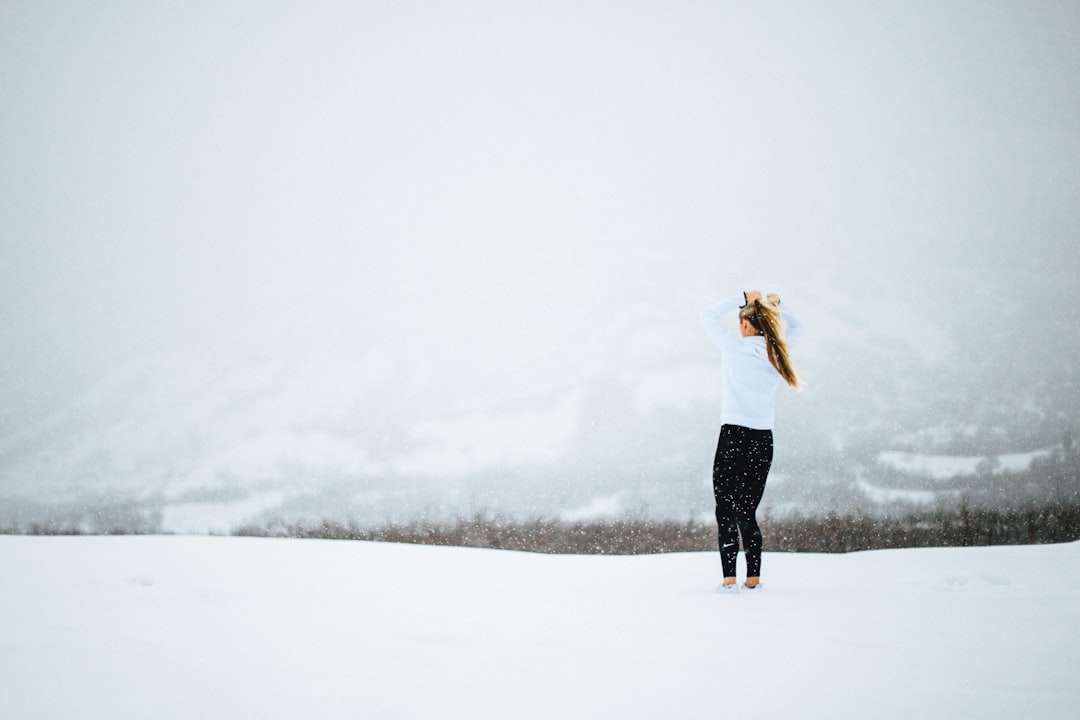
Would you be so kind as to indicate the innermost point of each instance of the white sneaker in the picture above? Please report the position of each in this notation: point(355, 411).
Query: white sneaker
point(732, 589)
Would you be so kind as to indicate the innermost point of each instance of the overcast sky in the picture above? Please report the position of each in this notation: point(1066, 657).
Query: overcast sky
point(459, 177)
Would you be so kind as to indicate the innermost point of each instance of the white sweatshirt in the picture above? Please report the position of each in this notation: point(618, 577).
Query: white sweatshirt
point(747, 379)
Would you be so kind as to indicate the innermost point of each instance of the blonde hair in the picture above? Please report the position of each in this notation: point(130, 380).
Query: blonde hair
point(765, 317)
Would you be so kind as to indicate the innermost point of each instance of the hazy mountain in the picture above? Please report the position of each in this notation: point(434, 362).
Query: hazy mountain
point(314, 424)
point(370, 261)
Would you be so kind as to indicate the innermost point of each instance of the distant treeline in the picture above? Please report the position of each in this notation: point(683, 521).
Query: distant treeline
point(830, 534)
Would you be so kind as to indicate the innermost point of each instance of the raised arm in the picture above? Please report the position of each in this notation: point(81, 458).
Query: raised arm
point(712, 319)
point(792, 324)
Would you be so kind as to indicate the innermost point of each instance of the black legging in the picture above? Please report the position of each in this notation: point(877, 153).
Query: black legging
point(743, 458)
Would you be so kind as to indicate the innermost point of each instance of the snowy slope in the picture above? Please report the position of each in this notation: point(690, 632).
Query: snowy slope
point(318, 424)
point(943, 467)
point(182, 627)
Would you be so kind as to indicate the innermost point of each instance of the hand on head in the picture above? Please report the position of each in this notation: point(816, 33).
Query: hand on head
point(755, 296)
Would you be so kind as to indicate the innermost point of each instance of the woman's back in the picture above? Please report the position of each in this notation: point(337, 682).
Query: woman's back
point(748, 379)
point(748, 385)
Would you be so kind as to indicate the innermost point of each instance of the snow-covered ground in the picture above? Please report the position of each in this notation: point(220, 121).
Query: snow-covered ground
point(943, 467)
point(215, 627)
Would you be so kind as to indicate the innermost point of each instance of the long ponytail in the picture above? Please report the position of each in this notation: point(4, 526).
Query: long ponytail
point(765, 317)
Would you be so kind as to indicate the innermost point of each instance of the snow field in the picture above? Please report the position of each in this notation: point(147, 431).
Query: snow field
point(216, 627)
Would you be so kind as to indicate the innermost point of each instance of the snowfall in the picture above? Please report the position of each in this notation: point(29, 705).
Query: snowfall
point(227, 627)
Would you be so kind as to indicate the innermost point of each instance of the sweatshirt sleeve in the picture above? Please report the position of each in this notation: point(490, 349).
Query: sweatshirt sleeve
point(712, 319)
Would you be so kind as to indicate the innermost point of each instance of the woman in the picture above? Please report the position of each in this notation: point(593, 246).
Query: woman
point(753, 364)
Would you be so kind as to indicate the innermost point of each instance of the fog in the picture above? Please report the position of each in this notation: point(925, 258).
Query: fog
point(380, 258)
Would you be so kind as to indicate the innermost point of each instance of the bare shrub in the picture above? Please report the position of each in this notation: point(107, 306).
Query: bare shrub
point(831, 533)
